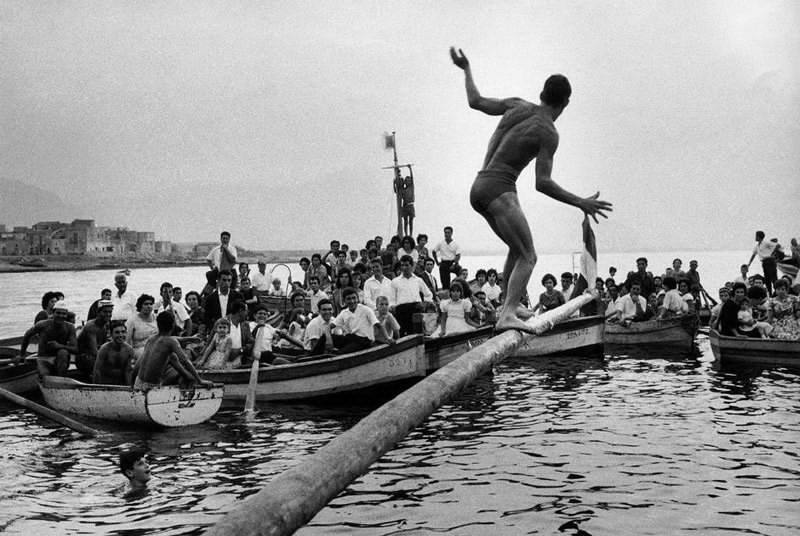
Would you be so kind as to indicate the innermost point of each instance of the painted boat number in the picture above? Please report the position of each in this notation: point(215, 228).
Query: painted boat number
point(400, 361)
point(577, 333)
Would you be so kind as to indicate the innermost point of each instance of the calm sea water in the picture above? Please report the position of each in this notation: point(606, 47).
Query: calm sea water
point(644, 443)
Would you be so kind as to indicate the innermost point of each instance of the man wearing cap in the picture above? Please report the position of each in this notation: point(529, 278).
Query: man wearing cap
point(260, 279)
point(57, 340)
point(123, 301)
point(93, 335)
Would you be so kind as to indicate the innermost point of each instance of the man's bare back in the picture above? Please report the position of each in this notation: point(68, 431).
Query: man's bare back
point(524, 128)
point(159, 352)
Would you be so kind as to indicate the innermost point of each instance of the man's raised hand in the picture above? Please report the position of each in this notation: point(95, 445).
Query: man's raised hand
point(459, 58)
point(593, 206)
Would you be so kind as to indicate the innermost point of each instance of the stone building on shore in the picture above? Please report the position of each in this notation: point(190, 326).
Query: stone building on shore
point(81, 237)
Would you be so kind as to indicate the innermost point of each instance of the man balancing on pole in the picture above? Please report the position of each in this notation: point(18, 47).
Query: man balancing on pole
point(525, 132)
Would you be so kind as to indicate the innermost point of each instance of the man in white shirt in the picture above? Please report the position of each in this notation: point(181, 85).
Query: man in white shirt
point(764, 249)
point(318, 338)
point(408, 293)
point(261, 279)
point(632, 307)
point(377, 285)
point(266, 336)
point(673, 305)
point(448, 254)
point(357, 327)
point(122, 300)
point(315, 294)
point(223, 257)
point(183, 323)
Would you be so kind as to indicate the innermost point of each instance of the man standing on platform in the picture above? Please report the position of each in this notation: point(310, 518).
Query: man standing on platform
point(526, 131)
point(448, 254)
point(407, 210)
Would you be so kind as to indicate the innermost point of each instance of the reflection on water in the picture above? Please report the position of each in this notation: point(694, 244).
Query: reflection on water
point(627, 444)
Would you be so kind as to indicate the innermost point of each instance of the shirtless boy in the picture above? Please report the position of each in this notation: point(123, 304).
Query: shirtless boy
point(114, 359)
point(526, 131)
point(162, 352)
point(57, 340)
point(93, 335)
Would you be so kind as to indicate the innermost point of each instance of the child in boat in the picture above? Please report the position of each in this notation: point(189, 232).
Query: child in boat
point(386, 318)
point(134, 466)
point(217, 354)
point(455, 316)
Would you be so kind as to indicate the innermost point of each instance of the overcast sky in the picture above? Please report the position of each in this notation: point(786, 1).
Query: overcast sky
point(265, 118)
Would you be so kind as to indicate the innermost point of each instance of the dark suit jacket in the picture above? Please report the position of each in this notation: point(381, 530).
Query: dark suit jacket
point(426, 278)
point(212, 307)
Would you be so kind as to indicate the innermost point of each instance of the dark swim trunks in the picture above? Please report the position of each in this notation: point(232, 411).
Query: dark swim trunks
point(488, 186)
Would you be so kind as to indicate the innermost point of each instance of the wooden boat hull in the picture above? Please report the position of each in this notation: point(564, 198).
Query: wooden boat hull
point(754, 351)
point(671, 332)
point(439, 351)
point(582, 336)
point(20, 378)
point(328, 375)
point(168, 406)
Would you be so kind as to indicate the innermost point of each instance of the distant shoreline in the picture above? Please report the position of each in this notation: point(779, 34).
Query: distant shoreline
point(82, 264)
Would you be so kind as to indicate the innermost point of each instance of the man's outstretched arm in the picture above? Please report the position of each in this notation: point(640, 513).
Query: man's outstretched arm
point(474, 98)
point(591, 205)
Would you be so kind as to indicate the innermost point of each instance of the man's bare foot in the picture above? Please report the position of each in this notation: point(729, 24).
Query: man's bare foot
point(524, 313)
point(520, 312)
point(506, 323)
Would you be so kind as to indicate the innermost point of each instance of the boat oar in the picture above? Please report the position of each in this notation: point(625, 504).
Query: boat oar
point(250, 401)
point(49, 413)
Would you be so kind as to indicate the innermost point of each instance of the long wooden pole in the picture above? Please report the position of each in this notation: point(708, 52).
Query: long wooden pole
point(49, 413)
point(397, 187)
point(292, 498)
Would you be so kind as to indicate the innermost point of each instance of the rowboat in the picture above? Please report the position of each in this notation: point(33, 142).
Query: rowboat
point(668, 332)
point(755, 351)
point(167, 406)
point(328, 375)
point(439, 351)
point(582, 336)
point(17, 378)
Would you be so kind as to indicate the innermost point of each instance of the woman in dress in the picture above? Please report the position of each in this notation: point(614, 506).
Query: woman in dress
point(550, 298)
point(218, 353)
point(455, 317)
point(780, 312)
point(142, 325)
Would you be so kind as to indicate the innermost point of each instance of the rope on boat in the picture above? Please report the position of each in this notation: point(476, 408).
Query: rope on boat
point(293, 497)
